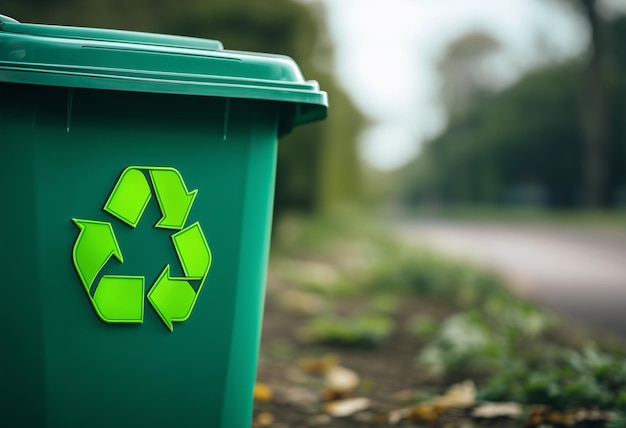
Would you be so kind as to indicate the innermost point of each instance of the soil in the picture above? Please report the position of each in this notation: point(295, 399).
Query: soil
point(388, 374)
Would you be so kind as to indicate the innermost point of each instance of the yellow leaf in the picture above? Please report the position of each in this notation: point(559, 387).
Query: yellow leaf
point(395, 416)
point(425, 413)
point(262, 392)
point(263, 419)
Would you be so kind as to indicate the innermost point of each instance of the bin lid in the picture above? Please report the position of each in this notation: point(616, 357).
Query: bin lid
point(144, 62)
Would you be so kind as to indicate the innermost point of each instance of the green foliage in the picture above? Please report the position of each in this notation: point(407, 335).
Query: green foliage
point(563, 378)
point(483, 340)
point(362, 330)
point(515, 318)
point(464, 343)
point(368, 326)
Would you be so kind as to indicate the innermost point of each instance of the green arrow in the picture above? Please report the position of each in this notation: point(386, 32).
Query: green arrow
point(193, 251)
point(174, 199)
point(120, 298)
point(93, 248)
point(129, 197)
point(172, 298)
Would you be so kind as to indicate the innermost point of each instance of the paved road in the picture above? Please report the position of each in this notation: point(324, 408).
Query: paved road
point(579, 273)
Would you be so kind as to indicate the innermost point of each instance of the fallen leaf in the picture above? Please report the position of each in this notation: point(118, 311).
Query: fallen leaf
point(318, 365)
point(262, 392)
point(425, 413)
point(263, 419)
point(350, 406)
point(397, 415)
point(498, 410)
point(341, 379)
point(459, 395)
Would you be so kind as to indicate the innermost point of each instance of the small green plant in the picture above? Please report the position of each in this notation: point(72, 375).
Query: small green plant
point(482, 340)
point(464, 343)
point(361, 330)
point(563, 378)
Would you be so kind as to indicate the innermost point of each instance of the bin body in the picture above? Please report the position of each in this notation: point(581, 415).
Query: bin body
point(65, 149)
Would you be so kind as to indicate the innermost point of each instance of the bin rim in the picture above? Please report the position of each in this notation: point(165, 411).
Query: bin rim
point(93, 58)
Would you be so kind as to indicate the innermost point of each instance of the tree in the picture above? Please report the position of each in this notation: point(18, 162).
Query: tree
point(594, 113)
point(463, 71)
point(525, 145)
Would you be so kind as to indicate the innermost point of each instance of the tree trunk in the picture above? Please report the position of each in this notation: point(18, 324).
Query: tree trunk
point(594, 115)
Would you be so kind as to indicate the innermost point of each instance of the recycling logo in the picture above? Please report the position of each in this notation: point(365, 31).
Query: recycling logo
point(120, 298)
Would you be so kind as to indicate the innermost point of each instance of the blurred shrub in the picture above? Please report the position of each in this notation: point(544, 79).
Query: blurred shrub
point(464, 343)
point(483, 341)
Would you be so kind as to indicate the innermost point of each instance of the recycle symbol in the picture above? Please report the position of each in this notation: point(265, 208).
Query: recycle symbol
point(120, 298)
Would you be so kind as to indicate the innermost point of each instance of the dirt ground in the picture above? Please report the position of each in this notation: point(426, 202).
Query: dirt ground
point(384, 372)
point(389, 376)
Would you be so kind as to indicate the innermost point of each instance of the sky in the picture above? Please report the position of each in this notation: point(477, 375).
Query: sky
point(387, 53)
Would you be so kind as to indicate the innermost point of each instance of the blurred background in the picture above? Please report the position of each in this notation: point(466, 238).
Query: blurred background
point(491, 131)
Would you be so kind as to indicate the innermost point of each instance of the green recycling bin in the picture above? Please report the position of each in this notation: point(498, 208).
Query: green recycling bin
point(137, 181)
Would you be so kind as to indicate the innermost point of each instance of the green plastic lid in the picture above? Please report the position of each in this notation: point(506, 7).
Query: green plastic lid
point(143, 62)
